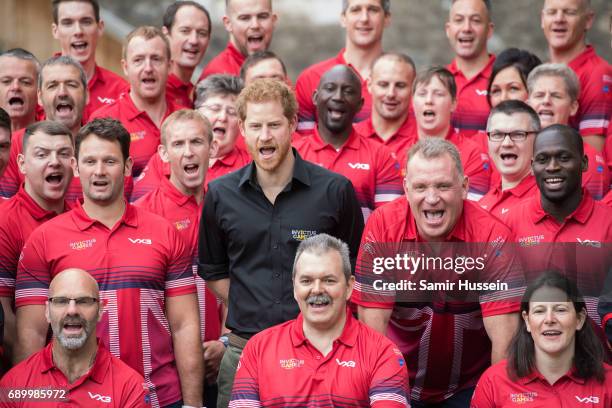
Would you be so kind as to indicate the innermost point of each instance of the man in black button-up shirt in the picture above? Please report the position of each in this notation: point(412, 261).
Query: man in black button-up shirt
point(254, 219)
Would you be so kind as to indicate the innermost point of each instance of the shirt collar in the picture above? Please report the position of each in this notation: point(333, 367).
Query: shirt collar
point(580, 214)
point(353, 142)
point(96, 77)
point(35, 210)
point(133, 112)
point(535, 375)
point(97, 372)
point(83, 221)
point(366, 129)
point(348, 336)
point(174, 194)
point(341, 61)
point(524, 186)
point(175, 82)
point(582, 58)
point(485, 72)
point(228, 160)
point(300, 172)
point(235, 54)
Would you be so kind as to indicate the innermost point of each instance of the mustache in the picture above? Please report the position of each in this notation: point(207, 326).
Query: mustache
point(323, 298)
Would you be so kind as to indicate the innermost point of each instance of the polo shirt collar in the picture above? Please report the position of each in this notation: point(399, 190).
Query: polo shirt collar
point(367, 130)
point(234, 53)
point(348, 336)
point(96, 77)
point(485, 72)
point(228, 160)
point(341, 61)
point(411, 232)
point(83, 221)
point(300, 172)
point(132, 112)
point(580, 214)
point(174, 194)
point(353, 142)
point(35, 210)
point(535, 375)
point(97, 372)
point(176, 82)
point(583, 57)
point(520, 189)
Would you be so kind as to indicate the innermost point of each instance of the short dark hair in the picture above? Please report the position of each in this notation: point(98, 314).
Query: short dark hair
point(385, 4)
point(566, 131)
point(443, 74)
point(589, 351)
point(94, 4)
point(256, 58)
point(524, 61)
point(5, 120)
point(510, 107)
point(63, 60)
point(170, 14)
point(108, 129)
point(399, 56)
point(47, 127)
point(218, 84)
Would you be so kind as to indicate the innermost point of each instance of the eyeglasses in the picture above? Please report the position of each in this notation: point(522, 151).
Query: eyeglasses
point(515, 136)
point(219, 108)
point(61, 301)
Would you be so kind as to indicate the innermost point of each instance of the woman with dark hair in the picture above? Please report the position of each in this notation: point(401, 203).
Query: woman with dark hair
point(508, 78)
point(555, 358)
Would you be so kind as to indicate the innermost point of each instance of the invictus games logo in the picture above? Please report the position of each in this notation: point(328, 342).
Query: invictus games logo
point(182, 224)
point(291, 363)
point(137, 136)
point(523, 397)
point(530, 241)
point(80, 245)
point(301, 235)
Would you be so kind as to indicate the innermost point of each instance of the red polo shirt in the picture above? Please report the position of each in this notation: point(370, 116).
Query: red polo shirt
point(595, 100)
point(138, 263)
point(227, 61)
point(232, 161)
point(607, 200)
point(307, 83)
point(104, 88)
point(363, 369)
point(498, 202)
point(445, 343)
point(183, 212)
point(496, 389)
point(472, 110)
point(398, 144)
point(179, 92)
point(374, 173)
point(597, 177)
point(476, 163)
point(143, 132)
point(20, 216)
point(108, 383)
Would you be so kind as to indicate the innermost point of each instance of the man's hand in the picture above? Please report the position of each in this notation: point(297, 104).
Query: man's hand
point(213, 353)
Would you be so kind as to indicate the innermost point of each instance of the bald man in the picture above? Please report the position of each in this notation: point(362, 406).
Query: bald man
point(75, 367)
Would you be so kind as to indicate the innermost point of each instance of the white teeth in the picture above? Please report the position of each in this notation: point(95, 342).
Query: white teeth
point(434, 215)
point(553, 180)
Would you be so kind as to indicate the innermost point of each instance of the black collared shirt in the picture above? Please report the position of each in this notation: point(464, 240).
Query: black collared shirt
point(252, 242)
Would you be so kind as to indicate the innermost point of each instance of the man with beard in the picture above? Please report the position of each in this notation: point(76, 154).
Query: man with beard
point(47, 166)
point(62, 92)
point(141, 261)
point(254, 218)
point(74, 367)
point(336, 145)
point(250, 24)
point(187, 25)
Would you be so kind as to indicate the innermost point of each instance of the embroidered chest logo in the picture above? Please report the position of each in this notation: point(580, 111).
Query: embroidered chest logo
point(80, 245)
point(142, 241)
point(586, 400)
point(106, 101)
point(291, 363)
point(530, 241)
point(182, 224)
point(98, 397)
point(523, 397)
point(481, 92)
point(359, 166)
point(589, 242)
point(348, 363)
point(136, 136)
point(301, 235)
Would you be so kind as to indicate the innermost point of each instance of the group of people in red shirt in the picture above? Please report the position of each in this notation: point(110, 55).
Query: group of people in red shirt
point(168, 244)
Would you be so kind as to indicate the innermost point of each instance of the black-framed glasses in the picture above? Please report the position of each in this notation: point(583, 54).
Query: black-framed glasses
point(515, 135)
point(61, 301)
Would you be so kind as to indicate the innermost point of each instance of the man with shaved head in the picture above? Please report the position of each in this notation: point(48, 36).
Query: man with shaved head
point(336, 146)
point(75, 367)
point(250, 25)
